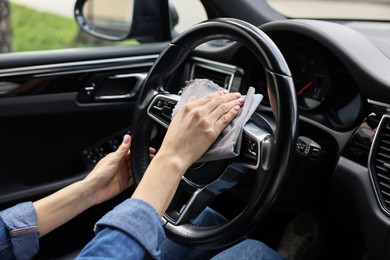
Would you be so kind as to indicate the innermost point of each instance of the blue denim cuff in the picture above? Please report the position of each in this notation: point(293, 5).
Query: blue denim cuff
point(21, 223)
point(139, 220)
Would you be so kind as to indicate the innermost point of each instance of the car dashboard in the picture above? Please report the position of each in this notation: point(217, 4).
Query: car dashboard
point(342, 83)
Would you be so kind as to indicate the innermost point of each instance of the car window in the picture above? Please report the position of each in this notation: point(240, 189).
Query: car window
point(190, 12)
point(333, 9)
point(46, 25)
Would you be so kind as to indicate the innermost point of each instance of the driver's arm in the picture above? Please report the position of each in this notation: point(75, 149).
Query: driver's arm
point(109, 177)
point(22, 224)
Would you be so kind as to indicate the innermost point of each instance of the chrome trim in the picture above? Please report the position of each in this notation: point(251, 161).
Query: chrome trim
point(370, 155)
point(140, 77)
point(226, 181)
point(71, 67)
point(227, 69)
point(378, 103)
point(166, 97)
point(6, 87)
point(257, 135)
point(222, 66)
point(184, 212)
point(105, 68)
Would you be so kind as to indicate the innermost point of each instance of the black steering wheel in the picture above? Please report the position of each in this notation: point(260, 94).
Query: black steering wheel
point(270, 151)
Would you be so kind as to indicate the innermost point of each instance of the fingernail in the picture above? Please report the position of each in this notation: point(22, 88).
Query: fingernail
point(236, 108)
point(126, 139)
point(225, 91)
point(237, 94)
point(241, 100)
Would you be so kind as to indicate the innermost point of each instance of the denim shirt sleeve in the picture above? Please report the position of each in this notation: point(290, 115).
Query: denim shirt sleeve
point(132, 230)
point(19, 236)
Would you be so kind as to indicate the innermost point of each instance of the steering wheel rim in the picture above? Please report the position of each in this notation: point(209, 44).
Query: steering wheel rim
point(269, 177)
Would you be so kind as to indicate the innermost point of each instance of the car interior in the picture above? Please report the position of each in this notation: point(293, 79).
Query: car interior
point(318, 144)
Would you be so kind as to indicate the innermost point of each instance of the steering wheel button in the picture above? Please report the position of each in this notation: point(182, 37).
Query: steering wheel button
point(315, 153)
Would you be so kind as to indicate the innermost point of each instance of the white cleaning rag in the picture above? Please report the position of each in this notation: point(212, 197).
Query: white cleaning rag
point(228, 144)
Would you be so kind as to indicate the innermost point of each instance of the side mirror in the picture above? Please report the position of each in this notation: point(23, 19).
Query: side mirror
point(143, 20)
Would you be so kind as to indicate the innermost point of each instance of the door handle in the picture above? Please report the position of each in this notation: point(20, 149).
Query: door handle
point(139, 79)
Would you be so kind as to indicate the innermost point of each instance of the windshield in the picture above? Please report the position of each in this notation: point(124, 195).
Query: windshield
point(333, 9)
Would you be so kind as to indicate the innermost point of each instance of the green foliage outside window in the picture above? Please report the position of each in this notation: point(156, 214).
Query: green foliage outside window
point(35, 30)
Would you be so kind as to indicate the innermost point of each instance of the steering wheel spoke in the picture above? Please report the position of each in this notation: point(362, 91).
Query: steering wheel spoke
point(255, 146)
point(191, 199)
point(160, 109)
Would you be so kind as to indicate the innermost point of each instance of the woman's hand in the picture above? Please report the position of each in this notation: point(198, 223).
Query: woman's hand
point(110, 176)
point(199, 123)
point(113, 174)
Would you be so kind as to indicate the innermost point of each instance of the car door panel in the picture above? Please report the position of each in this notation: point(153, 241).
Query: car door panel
point(60, 110)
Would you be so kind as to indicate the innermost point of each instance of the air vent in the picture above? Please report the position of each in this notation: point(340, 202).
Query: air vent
point(358, 147)
point(225, 75)
point(222, 79)
point(379, 162)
